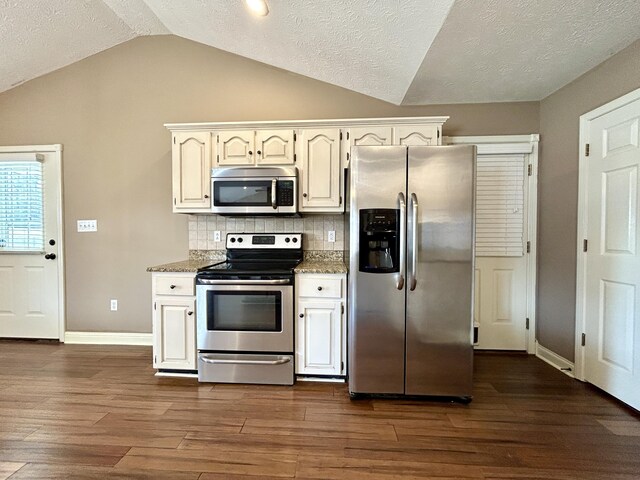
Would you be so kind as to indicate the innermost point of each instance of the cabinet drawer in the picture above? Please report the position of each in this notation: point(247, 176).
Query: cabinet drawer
point(174, 285)
point(320, 286)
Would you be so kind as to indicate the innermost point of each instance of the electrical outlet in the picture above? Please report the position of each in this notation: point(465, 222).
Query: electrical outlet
point(331, 236)
point(87, 225)
point(114, 305)
point(216, 236)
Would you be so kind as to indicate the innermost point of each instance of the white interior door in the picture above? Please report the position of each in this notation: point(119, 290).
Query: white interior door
point(612, 261)
point(30, 242)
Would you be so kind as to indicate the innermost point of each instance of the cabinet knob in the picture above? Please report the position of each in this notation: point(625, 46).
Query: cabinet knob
point(304, 195)
point(319, 289)
point(301, 315)
point(250, 152)
point(50, 256)
point(172, 287)
point(206, 196)
point(259, 152)
point(190, 313)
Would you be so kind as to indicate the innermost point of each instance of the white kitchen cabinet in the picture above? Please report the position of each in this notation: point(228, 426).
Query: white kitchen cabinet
point(367, 136)
point(416, 135)
point(174, 327)
point(191, 171)
point(321, 174)
point(255, 147)
point(320, 324)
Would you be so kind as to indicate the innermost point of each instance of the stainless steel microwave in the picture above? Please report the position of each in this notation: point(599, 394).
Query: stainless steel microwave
point(254, 190)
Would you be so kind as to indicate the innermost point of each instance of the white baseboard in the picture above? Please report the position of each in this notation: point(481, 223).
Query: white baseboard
point(555, 360)
point(108, 338)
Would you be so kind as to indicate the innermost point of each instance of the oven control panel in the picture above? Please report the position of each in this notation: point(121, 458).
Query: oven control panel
point(264, 240)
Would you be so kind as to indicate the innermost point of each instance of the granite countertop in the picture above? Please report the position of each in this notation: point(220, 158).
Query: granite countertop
point(183, 266)
point(321, 266)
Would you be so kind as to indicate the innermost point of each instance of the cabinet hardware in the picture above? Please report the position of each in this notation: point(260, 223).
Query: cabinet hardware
point(294, 136)
point(172, 287)
point(528, 247)
point(586, 150)
point(206, 196)
point(258, 152)
point(340, 200)
point(340, 135)
point(347, 156)
point(347, 135)
point(585, 245)
point(584, 339)
point(304, 195)
point(342, 366)
point(294, 157)
point(190, 313)
point(301, 315)
point(342, 309)
point(250, 152)
point(319, 289)
point(174, 140)
point(527, 324)
point(438, 135)
point(529, 170)
point(154, 305)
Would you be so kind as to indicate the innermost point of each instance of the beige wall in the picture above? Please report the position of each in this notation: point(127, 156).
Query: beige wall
point(558, 191)
point(108, 111)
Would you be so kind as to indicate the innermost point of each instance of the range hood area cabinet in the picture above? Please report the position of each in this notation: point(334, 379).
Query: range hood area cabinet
point(320, 150)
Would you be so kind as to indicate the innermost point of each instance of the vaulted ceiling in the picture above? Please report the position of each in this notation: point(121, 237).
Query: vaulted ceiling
point(410, 52)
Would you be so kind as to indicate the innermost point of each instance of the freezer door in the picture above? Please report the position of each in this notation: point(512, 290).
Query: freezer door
point(376, 300)
point(439, 344)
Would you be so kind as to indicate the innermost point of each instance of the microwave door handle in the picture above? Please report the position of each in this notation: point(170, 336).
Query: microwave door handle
point(274, 200)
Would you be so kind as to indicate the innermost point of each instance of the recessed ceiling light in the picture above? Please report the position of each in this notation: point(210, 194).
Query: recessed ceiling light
point(259, 7)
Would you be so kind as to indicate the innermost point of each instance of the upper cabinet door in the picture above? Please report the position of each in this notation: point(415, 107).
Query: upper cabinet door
point(191, 165)
point(236, 148)
point(320, 177)
point(416, 135)
point(367, 136)
point(274, 147)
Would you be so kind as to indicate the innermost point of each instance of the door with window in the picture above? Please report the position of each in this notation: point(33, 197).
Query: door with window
point(30, 242)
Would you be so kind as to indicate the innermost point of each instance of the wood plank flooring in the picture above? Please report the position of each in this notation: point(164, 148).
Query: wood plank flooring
point(93, 412)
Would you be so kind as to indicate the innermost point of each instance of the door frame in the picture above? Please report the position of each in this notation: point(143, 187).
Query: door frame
point(583, 211)
point(528, 145)
point(56, 150)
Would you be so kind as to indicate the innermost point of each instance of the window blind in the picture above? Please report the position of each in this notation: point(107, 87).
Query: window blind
point(500, 205)
point(21, 206)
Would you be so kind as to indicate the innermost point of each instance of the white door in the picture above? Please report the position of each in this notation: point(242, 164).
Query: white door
point(174, 332)
point(236, 148)
point(320, 176)
point(275, 147)
point(318, 336)
point(612, 261)
point(416, 135)
point(30, 243)
point(500, 312)
point(191, 163)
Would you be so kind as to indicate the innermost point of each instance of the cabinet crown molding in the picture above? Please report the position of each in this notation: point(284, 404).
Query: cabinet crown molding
point(335, 123)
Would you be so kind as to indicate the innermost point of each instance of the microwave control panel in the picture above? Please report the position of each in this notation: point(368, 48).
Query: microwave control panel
point(285, 193)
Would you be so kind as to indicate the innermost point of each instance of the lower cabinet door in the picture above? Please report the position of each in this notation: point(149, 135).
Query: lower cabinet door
point(174, 334)
point(318, 338)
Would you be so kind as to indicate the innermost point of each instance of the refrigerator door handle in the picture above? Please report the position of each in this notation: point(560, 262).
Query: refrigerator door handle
point(413, 281)
point(403, 240)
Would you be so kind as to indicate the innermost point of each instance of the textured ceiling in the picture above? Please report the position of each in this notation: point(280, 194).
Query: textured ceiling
point(400, 51)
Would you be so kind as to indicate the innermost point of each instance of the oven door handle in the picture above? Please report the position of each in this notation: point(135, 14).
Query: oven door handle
point(282, 281)
point(280, 361)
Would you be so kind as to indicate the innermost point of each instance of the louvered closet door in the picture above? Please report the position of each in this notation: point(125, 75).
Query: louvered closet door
point(500, 286)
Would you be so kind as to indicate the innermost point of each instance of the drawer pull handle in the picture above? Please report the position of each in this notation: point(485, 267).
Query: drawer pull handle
point(172, 287)
point(319, 289)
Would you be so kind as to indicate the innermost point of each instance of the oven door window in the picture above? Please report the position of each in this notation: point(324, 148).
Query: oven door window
point(239, 193)
point(244, 311)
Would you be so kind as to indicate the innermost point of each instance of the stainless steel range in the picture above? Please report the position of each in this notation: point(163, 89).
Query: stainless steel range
point(244, 310)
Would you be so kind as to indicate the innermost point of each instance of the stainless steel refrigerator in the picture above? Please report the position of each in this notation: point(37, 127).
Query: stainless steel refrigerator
point(411, 256)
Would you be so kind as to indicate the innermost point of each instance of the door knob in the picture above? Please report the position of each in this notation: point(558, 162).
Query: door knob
point(50, 256)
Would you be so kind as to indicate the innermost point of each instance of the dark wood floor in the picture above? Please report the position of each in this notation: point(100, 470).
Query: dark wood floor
point(93, 412)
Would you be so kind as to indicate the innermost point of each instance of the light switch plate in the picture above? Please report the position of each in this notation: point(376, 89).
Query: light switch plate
point(87, 225)
point(216, 236)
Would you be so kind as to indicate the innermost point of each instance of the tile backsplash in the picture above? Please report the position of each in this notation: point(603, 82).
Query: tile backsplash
point(314, 227)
